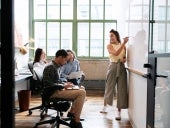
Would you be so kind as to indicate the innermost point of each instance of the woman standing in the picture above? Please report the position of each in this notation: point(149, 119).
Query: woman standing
point(116, 74)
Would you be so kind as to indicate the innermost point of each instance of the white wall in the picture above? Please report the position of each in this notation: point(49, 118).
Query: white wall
point(21, 30)
point(137, 28)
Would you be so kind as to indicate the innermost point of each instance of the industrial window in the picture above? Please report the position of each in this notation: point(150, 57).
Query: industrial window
point(80, 25)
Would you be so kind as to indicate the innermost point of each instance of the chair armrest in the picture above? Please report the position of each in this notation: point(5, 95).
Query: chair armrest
point(56, 86)
point(48, 91)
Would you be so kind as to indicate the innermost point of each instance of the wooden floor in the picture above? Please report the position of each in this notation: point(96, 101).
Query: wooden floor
point(93, 118)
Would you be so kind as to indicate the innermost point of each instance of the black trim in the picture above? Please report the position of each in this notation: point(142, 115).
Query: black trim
point(159, 55)
point(7, 65)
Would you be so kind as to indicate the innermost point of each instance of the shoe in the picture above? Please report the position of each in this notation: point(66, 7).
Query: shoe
point(118, 117)
point(75, 124)
point(71, 115)
point(104, 110)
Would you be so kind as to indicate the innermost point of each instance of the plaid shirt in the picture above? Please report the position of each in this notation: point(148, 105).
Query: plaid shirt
point(51, 74)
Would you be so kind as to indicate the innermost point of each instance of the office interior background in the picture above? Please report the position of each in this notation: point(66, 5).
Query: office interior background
point(84, 25)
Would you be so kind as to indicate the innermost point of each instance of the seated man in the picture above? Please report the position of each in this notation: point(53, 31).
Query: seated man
point(51, 76)
point(71, 66)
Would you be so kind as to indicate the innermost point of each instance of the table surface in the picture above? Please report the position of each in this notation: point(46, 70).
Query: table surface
point(22, 75)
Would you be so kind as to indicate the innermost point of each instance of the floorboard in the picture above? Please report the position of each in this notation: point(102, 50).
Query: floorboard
point(91, 114)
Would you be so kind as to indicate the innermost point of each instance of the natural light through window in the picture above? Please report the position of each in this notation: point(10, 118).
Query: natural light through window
point(80, 25)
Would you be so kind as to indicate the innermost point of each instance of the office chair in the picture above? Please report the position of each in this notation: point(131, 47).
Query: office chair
point(35, 84)
point(60, 105)
point(39, 85)
point(44, 102)
point(81, 80)
point(30, 66)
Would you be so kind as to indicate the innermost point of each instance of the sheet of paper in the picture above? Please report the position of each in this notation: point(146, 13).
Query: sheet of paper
point(74, 75)
point(74, 88)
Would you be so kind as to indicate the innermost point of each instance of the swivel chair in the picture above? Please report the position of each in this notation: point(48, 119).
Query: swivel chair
point(35, 84)
point(46, 103)
point(39, 84)
point(30, 66)
point(60, 105)
point(81, 80)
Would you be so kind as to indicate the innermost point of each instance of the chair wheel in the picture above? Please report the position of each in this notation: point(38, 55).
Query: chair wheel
point(54, 125)
point(61, 113)
point(42, 116)
point(46, 111)
point(35, 126)
point(30, 112)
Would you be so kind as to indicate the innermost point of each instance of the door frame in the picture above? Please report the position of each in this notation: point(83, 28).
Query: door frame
point(151, 83)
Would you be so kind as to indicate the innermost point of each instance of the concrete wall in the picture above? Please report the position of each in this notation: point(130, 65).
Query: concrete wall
point(94, 69)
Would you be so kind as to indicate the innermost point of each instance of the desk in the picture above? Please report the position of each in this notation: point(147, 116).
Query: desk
point(22, 82)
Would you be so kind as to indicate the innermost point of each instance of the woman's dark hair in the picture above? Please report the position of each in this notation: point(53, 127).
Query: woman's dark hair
point(116, 33)
point(38, 53)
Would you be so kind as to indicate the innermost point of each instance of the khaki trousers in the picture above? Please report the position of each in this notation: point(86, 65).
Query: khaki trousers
point(116, 75)
point(77, 96)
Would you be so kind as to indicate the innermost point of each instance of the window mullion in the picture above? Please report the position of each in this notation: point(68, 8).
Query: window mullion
point(103, 27)
point(46, 21)
point(60, 27)
point(75, 30)
point(89, 26)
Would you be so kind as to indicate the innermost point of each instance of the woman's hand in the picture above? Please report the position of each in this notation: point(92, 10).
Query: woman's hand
point(125, 40)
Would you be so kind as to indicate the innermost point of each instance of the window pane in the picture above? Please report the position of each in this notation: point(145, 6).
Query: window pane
point(40, 35)
point(161, 15)
point(39, 9)
point(135, 10)
point(66, 35)
point(108, 27)
point(111, 9)
point(159, 38)
point(53, 33)
point(162, 91)
point(168, 13)
point(159, 9)
point(53, 9)
point(96, 9)
point(168, 50)
point(66, 9)
point(83, 39)
point(168, 38)
point(96, 42)
point(83, 9)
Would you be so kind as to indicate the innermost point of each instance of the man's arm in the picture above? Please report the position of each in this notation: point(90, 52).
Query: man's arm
point(48, 76)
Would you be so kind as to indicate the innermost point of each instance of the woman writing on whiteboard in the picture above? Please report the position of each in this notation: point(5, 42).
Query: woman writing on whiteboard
point(116, 74)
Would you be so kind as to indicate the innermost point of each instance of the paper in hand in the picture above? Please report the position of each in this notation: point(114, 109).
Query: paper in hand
point(74, 75)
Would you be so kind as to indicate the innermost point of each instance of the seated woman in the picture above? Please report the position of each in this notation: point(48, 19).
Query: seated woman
point(39, 62)
point(72, 65)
